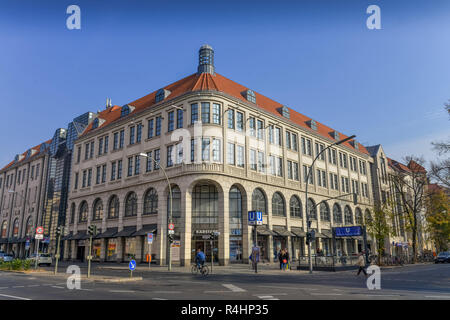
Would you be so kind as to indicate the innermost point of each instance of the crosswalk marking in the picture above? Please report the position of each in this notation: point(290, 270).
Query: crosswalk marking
point(233, 288)
point(267, 298)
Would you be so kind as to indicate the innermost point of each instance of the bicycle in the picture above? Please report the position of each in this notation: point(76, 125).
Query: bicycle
point(203, 270)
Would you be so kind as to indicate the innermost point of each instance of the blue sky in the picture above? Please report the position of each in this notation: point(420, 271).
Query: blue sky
point(386, 86)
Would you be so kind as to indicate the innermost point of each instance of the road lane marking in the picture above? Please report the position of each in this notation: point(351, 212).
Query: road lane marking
point(267, 298)
point(33, 285)
point(14, 297)
point(233, 288)
point(158, 299)
point(217, 291)
point(166, 291)
point(122, 291)
point(3, 288)
point(58, 287)
point(270, 294)
point(18, 286)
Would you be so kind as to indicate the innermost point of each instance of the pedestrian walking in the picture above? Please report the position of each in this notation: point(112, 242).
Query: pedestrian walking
point(361, 264)
point(284, 259)
point(280, 253)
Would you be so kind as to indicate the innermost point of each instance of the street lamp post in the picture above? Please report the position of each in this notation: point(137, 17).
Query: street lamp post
point(308, 227)
point(170, 212)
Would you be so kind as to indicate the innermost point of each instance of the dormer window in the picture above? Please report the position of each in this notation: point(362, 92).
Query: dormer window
point(335, 135)
point(126, 109)
point(161, 94)
point(356, 145)
point(250, 95)
point(284, 111)
point(95, 124)
point(312, 124)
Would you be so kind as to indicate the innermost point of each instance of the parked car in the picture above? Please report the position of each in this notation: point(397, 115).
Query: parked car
point(44, 258)
point(7, 257)
point(442, 257)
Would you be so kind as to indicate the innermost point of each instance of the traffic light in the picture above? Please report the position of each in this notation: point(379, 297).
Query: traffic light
point(59, 230)
point(308, 237)
point(92, 230)
point(170, 238)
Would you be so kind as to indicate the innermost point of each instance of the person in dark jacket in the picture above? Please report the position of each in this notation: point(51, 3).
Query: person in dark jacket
point(280, 253)
point(284, 259)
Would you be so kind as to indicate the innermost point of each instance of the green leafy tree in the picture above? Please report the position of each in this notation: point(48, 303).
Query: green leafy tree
point(438, 218)
point(378, 226)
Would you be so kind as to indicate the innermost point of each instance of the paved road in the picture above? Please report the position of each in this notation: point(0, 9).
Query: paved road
point(426, 281)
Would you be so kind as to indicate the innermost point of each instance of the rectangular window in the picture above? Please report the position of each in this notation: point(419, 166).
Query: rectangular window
point(240, 156)
point(139, 133)
point(169, 156)
point(273, 166)
point(119, 169)
point(271, 137)
point(75, 186)
point(306, 171)
point(319, 148)
point(79, 154)
point(179, 118)
point(205, 149)
point(37, 170)
point(194, 113)
point(216, 113)
point(137, 165)
point(230, 119)
point(216, 150)
point(122, 138)
point(230, 153)
point(105, 149)
point(179, 150)
point(345, 185)
point(260, 130)
point(130, 166)
point(92, 150)
point(253, 160)
point(113, 171)
point(261, 162)
point(294, 142)
point(332, 156)
point(205, 112)
point(150, 128)
point(89, 177)
point(83, 185)
point(306, 147)
point(157, 159)
point(295, 170)
point(252, 126)
point(288, 140)
point(97, 178)
point(289, 169)
point(239, 121)
point(158, 126)
point(86, 151)
point(171, 121)
point(149, 163)
point(193, 144)
point(104, 173)
point(321, 178)
point(278, 137)
point(100, 146)
point(132, 132)
point(116, 141)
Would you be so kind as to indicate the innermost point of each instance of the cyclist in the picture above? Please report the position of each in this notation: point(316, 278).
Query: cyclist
point(200, 258)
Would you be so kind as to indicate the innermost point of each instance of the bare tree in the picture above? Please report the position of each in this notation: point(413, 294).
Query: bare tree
point(440, 170)
point(409, 185)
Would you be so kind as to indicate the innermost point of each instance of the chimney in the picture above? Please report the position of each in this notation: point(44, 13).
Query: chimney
point(205, 60)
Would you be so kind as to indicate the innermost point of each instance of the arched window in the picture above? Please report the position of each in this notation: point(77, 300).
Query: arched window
point(358, 216)
point(98, 210)
point(259, 201)
point(83, 214)
point(348, 215)
point(337, 213)
point(295, 206)
point(151, 202)
point(324, 212)
point(72, 213)
point(113, 207)
point(131, 205)
point(4, 228)
point(16, 228)
point(278, 205)
point(235, 207)
point(312, 210)
point(29, 227)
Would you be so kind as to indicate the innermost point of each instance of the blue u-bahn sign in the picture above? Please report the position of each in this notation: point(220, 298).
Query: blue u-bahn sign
point(255, 218)
point(348, 231)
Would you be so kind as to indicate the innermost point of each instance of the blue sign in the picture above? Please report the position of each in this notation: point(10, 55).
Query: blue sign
point(255, 218)
point(150, 238)
point(348, 231)
point(132, 265)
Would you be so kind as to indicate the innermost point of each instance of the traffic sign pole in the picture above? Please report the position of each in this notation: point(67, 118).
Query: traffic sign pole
point(89, 257)
point(37, 255)
point(57, 253)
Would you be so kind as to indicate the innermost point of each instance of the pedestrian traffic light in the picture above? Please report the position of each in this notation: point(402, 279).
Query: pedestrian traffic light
point(308, 237)
point(92, 230)
point(170, 238)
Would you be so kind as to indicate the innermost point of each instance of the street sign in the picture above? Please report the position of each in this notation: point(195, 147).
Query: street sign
point(39, 230)
point(348, 231)
point(171, 226)
point(255, 218)
point(149, 238)
point(132, 265)
point(39, 236)
point(255, 254)
point(27, 244)
point(171, 231)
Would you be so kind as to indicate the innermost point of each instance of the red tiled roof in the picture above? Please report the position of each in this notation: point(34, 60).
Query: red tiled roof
point(397, 165)
point(24, 154)
point(217, 82)
point(414, 166)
